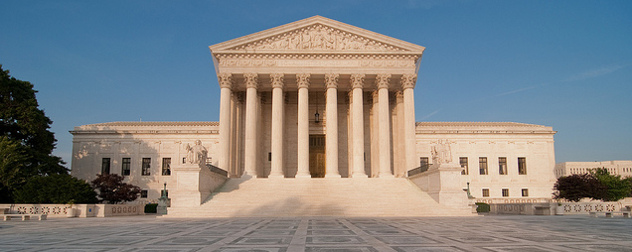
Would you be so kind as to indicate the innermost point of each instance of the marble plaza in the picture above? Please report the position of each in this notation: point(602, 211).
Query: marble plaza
point(483, 233)
point(318, 100)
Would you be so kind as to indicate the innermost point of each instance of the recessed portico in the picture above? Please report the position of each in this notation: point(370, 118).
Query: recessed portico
point(316, 77)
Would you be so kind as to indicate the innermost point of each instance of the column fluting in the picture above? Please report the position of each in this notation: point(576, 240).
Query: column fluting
point(302, 81)
point(331, 137)
point(384, 125)
point(225, 82)
point(357, 82)
point(276, 169)
point(250, 151)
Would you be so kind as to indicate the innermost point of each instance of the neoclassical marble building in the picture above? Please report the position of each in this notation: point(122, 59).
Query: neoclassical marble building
point(318, 98)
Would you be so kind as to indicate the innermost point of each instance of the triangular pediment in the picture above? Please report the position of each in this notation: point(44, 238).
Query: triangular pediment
point(316, 34)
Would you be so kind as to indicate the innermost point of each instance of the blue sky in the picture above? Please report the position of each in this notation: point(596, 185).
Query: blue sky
point(565, 64)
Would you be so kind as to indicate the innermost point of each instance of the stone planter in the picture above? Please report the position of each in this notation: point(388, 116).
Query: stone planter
point(71, 212)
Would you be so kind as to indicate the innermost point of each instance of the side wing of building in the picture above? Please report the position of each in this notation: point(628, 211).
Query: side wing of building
point(502, 161)
point(142, 152)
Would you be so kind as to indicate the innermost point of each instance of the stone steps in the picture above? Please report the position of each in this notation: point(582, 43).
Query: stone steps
point(371, 197)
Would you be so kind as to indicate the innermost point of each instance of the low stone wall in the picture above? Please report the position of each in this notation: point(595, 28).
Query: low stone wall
point(573, 208)
point(77, 210)
point(522, 209)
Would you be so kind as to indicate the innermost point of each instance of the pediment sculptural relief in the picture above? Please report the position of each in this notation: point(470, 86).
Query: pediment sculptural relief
point(318, 38)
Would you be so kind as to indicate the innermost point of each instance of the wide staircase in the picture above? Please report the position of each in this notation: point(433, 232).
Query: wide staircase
point(374, 197)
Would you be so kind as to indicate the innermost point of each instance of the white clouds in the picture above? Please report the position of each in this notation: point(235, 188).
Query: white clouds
point(594, 73)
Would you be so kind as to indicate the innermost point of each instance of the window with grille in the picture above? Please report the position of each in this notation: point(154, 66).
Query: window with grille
point(146, 168)
point(482, 165)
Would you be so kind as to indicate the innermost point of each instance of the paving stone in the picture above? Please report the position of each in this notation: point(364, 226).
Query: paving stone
point(483, 233)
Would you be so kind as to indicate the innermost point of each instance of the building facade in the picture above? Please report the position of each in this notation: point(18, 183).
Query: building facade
point(615, 167)
point(319, 98)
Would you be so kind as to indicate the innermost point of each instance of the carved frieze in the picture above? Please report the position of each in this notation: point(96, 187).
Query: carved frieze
point(318, 37)
point(308, 61)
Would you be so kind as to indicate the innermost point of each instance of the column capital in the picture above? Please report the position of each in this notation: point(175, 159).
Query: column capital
point(277, 80)
point(302, 80)
point(357, 81)
point(225, 80)
point(331, 80)
point(408, 81)
point(382, 80)
point(252, 80)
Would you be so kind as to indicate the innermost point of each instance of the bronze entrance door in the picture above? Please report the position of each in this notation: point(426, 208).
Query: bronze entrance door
point(317, 156)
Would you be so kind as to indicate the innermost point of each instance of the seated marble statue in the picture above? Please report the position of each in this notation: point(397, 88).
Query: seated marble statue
point(441, 153)
point(196, 154)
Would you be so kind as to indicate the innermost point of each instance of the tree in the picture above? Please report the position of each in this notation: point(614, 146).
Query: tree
point(577, 187)
point(27, 144)
point(616, 187)
point(112, 189)
point(55, 189)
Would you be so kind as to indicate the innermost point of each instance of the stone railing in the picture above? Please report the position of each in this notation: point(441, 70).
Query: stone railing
point(417, 170)
point(77, 210)
point(512, 200)
point(217, 170)
point(571, 208)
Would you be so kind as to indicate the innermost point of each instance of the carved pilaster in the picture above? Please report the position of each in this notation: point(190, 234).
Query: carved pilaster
point(382, 80)
point(357, 81)
point(277, 80)
point(225, 80)
point(252, 80)
point(302, 80)
point(331, 80)
point(408, 81)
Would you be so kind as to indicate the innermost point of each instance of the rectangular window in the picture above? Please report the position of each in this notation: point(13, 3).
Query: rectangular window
point(105, 166)
point(525, 192)
point(505, 192)
point(146, 168)
point(166, 166)
point(502, 165)
point(184, 160)
point(482, 165)
point(485, 192)
point(125, 167)
point(464, 166)
point(522, 165)
point(424, 163)
point(143, 193)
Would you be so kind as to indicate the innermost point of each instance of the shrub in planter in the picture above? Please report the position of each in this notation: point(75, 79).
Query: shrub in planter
point(482, 207)
point(151, 208)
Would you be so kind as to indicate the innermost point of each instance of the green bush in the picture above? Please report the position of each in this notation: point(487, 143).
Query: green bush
point(151, 208)
point(482, 207)
point(55, 189)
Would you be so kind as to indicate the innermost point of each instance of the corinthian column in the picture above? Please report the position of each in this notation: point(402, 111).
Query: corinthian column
point(383, 125)
point(250, 151)
point(331, 137)
point(357, 123)
point(276, 169)
point(408, 85)
point(303, 126)
point(225, 83)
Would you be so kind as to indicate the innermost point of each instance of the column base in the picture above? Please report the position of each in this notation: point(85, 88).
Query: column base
point(386, 176)
point(275, 176)
point(303, 176)
point(333, 176)
point(359, 176)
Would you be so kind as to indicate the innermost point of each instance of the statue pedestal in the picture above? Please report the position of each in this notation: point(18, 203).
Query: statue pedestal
point(194, 184)
point(443, 184)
